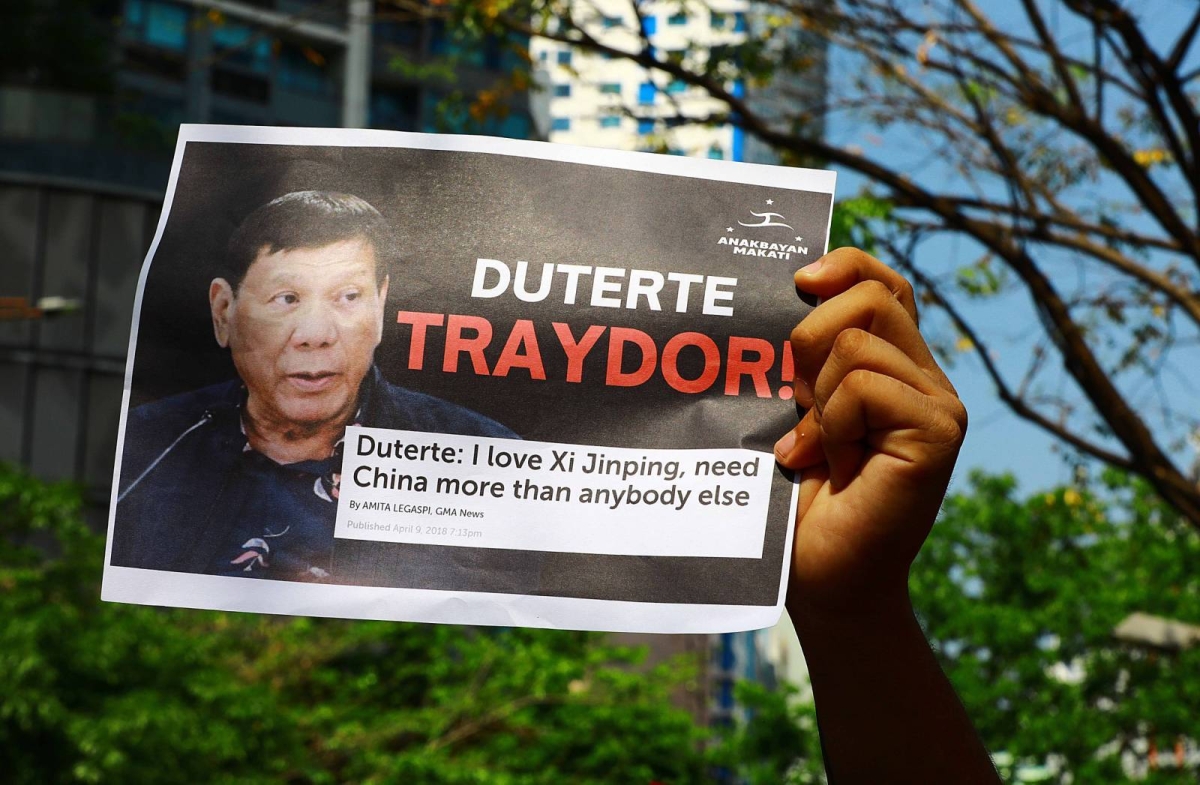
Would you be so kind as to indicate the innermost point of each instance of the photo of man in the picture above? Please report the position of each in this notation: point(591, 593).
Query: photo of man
point(300, 282)
point(241, 478)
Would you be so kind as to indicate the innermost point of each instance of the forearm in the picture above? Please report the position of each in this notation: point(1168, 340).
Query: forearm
point(886, 711)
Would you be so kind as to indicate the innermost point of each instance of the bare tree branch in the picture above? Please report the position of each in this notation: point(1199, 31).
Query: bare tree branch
point(1109, 192)
point(1014, 399)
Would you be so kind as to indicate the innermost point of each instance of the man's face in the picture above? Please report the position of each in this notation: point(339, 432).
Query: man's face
point(302, 329)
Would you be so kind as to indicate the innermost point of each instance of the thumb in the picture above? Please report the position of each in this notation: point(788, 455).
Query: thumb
point(801, 446)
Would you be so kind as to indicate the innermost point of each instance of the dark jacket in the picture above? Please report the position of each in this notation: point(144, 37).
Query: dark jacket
point(188, 483)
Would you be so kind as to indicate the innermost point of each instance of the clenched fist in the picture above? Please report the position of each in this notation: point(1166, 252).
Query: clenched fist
point(877, 446)
point(874, 451)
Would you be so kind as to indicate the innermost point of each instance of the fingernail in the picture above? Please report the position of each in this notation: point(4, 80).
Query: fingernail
point(784, 446)
point(802, 392)
point(810, 269)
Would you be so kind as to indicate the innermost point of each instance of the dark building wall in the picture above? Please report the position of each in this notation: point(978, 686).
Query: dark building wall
point(61, 377)
point(171, 62)
point(83, 166)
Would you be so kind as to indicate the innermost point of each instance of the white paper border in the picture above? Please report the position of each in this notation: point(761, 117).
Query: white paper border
point(790, 178)
point(250, 595)
point(211, 592)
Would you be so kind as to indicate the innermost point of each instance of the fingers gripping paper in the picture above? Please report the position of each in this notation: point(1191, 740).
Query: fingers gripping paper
point(455, 379)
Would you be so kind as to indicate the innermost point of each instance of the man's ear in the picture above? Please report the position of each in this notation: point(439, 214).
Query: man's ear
point(383, 289)
point(220, 301)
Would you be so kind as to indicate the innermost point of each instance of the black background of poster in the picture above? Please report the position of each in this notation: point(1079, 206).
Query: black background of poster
point(449, 208)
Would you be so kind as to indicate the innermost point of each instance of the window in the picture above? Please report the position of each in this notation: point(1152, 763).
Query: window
point(646, 125)
point(739, 22)
point(610, 121)
point(716, 153)
point(676, 86)
point(542, 56)
point(433, 113)
point(242, 45)
point(560, 124)
point(241, 85)
point(515, 126)
point(646, 93)
point(396, 33)
point(163, 25)
point(650, 25)
point(718, 21)
point(677, 20)
point(610, 88)
point(562, 91)
point(439, 43)
point(675, 151)
point(161, 63)
point(303, 69)
point(394, 109)
point(611, 21)
point(493, 53)
point(564, 57)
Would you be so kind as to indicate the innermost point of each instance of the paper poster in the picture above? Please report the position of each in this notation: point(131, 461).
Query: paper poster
point(463, 380)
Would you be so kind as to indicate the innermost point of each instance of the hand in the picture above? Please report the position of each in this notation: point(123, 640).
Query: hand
point(877, 446)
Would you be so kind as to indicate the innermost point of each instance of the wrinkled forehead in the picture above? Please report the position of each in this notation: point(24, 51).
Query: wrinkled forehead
point(351, 258)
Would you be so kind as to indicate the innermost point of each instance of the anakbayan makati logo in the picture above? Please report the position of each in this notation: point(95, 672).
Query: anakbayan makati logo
point(753, 241)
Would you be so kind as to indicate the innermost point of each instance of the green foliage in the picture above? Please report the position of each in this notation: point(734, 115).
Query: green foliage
point(778, 744)
point(1020, 598)
point(99, 692)
point(856, 220)
point(435, 71)
point(983, 278)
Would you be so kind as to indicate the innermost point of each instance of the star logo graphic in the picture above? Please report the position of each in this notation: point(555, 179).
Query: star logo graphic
point(770, 201)
point(729, 229)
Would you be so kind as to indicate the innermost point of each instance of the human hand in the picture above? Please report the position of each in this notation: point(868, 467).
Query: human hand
point(877, 447)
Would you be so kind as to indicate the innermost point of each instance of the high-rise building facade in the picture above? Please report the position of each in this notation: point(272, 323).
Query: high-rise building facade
point(598, 99)
point(355, 63)
point(87, 130)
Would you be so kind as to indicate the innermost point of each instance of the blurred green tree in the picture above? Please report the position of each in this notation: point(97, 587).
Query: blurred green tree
point(99, 692)
point(1020, 597)
point(776, 745)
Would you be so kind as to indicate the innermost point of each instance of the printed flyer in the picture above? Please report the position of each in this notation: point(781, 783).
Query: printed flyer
point(467, 380)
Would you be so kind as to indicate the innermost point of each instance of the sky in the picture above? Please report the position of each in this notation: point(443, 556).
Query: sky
point(997, 440)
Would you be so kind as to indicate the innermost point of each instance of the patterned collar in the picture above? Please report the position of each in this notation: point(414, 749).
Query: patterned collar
point(329, 470)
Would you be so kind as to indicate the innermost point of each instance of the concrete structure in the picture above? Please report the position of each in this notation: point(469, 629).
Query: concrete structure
point(61, 375)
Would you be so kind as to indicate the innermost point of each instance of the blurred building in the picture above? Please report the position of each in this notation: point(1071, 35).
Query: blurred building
point(354, 63)
point(600, 100)
point(91, 95)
